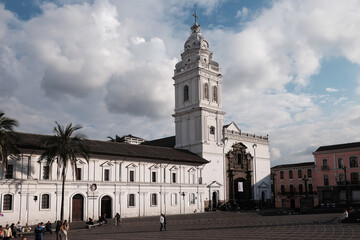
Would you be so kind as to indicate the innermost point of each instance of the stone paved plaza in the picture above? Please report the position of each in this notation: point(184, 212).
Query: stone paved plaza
point(222, 225)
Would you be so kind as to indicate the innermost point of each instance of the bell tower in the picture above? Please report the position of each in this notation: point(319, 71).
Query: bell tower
point(198, 104)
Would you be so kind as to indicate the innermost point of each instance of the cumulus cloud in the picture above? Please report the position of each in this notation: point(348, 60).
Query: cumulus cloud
point(108, 65)
point(331, 90)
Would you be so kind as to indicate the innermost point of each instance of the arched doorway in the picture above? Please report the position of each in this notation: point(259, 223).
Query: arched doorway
point(106, 206)
point(214, 199)
point(78, 208)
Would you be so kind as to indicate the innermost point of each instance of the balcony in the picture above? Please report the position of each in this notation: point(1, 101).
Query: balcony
point(324, 168)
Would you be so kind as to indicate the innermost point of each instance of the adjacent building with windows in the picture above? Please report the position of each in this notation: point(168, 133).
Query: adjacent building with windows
point(294, 185)
point(337, 172)
point(134, 180)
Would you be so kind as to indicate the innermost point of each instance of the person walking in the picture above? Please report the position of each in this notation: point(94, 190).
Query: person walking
point(39, 232)
point(117, 219)
point(58, 230)
point(7, 232)
point(65, 229)
point(162, 222)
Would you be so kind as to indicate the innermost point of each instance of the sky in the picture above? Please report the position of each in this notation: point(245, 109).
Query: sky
point(291, 69)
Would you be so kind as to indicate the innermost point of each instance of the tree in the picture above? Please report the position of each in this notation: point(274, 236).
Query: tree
point(65, 147)
point(7, 139)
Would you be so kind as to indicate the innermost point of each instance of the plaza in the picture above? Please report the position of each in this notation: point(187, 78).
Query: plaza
point(221, 225)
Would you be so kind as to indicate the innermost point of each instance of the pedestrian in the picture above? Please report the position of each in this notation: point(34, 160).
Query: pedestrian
point(48, 227)
point(58, 230)
point(345, 215)
point(13, 230)
point(104, 218)
point(65, 229)
point(18, 226)
point(7, 232)
point(1, 232)
point(39, 232)
point(162, 221)
point(117, 219)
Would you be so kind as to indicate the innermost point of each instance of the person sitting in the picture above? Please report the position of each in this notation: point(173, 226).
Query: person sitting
point(27, 228)
point(18, 226)
point(48, 227)
point(90, 222)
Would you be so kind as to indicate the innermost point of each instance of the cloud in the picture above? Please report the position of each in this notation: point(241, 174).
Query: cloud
point(243, 13)
point(331, 90)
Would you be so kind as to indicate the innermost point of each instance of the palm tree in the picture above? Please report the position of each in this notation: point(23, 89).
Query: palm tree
point(64, 147)
point(7, 139)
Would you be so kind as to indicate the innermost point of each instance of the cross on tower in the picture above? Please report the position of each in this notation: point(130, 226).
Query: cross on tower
point(195, 16)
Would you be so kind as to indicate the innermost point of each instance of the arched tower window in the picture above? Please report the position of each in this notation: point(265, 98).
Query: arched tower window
point(206, 91)
point(212, 130)
point(186, 93)
point(215, 94)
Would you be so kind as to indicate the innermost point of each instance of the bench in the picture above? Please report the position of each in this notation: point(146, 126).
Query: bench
point(94, 225)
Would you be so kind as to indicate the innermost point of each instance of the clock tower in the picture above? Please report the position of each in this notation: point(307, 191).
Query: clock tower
point(198, 108)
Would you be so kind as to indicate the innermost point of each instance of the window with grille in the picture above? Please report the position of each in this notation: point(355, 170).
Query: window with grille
point(131, 200)
point(78, 174)
point(309, 173)
point(326, 180)
point(192, 198)
point(8, 201)
point(9, 171)
point(215, 94)
point(153, 199)
point(206, 91)
point(353, 161)
point(46, 172)
point(106, 175)
point(45, 201)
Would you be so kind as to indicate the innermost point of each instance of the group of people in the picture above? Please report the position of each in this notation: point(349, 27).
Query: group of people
point(11, 231)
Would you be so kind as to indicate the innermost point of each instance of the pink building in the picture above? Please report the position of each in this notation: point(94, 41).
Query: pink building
point(294, 185)
point(337, 174)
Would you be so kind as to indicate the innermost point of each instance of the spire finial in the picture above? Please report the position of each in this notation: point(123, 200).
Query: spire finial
point(195, 16)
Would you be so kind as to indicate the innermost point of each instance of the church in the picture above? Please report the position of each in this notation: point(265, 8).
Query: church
point(203, 166)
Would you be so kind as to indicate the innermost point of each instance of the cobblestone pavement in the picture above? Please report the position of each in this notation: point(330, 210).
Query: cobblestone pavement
point(223, 225)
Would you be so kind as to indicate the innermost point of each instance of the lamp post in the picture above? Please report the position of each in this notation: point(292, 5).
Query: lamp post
point(255, 180)
point(225, 141)
point(346, 187)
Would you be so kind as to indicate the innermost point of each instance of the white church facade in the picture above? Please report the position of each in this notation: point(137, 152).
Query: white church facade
point(183, 174)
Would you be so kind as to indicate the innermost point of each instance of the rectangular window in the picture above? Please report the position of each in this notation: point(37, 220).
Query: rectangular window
point(153, 176)
point(131, 200)
point(174, 177)
point(107, 175)
point(341, 178)
point(78, 174)
point(340, 163)
point(309, 173)
point(354, 177)
point(9, 171)
point(300, 188)
point(192, 198)
point(290, 174)
point(131, 176)
point(353, 161)
point(173, 199)
point(46, 172)
point(281, 174)
point(153, 199)
point(45, 201)
point(310, 188)
point(291, 188)
point(326, 180)
point(300, 173)
point(240, 160)
point(282, 189)
point(7, 204)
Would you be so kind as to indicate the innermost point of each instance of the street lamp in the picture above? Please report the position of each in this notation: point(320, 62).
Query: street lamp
point(255, 180)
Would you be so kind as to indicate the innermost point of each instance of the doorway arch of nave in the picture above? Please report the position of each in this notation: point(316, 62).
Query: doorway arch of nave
point(78, 206)
point(106, 206)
